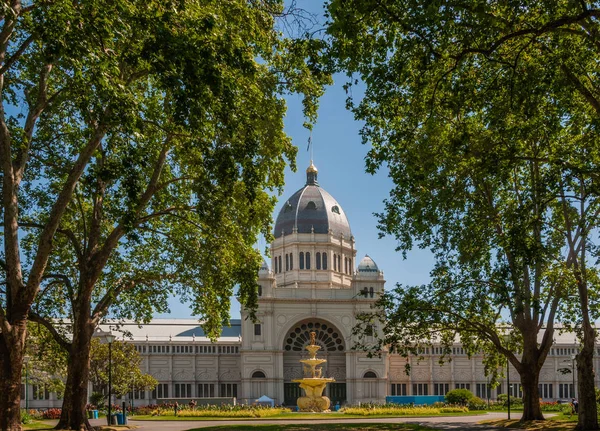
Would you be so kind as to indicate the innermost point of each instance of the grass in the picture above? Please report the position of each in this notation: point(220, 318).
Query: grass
point(39, 425)
point(319, 427)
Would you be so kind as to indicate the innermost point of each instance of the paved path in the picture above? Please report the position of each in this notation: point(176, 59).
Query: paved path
point(442, 423)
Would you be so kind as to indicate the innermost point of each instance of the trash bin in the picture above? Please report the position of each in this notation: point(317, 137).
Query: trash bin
point(120, 420)
point(94, 414)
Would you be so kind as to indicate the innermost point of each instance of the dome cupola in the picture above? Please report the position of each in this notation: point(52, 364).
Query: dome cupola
point(312, 210)
point(367, 265)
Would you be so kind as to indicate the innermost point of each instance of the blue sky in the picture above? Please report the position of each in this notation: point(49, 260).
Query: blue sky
point(339, 156)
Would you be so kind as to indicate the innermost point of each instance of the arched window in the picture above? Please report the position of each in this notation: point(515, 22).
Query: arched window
point(291, 261)
point(371, 292)
point(287, 262)
point(334, 262)
point(301, 260)
point(307, 260)
point(339, 268)
point(318, 260)
point(276, 266)
point(324, 260)
point(259, 290)
point(350, 266)
point(369, 375)
point(258, 375)
point(346, 265)
point(280, 267)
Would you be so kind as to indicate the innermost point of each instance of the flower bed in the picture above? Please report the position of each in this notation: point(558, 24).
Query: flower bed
point(239, 411)
point(400, 410)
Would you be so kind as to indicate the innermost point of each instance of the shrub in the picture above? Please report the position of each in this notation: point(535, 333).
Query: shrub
point(52, 414)
point(97, 399)
point(25, 417)
point(476, 403)
point(459, 396)
point(400, 410)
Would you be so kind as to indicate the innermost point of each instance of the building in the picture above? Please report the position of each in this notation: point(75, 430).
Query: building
point(313, 284)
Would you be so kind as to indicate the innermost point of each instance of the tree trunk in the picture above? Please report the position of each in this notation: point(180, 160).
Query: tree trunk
point(12, 348)
point(588, 410)
point(531, 396)
point(73, 414)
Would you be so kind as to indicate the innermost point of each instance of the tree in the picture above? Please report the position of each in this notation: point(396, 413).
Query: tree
point(126, 374)
point(485, 114)
point(138, 145)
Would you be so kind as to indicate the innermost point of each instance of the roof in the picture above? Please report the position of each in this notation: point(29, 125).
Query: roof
point(367, 265)
point(312, 209)
point(176, 330)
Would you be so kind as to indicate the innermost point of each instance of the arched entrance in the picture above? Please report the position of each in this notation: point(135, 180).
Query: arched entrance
point(333, 348)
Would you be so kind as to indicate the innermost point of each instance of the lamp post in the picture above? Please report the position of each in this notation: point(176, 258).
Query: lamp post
point(574, 395)
point(26, 362)
point(108, 338)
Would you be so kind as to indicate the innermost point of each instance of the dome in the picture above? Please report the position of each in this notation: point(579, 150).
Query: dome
point(264, 268)
point(367, 265)
point(312, 209)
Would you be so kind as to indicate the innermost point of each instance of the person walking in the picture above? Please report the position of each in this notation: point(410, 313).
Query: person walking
point(176, 407)
point(574, 407)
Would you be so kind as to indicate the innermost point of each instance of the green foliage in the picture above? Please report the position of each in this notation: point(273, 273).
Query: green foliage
point(459, 396)
point(26, 418)
point(476, 403)
point(485, 118)
point(97, 399)
point(400, 410)
point(126, 369)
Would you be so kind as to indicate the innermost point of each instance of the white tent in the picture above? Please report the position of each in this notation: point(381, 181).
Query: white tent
point(266, 400)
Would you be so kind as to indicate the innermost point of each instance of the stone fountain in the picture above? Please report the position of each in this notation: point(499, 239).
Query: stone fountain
point(312, 383)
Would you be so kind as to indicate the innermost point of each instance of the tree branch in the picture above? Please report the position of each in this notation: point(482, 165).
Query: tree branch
point(64, 343)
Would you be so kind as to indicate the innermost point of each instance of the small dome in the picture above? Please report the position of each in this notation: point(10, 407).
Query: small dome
point(312, 168)
point(264, 268)
point(312, 209)
point(367, 265)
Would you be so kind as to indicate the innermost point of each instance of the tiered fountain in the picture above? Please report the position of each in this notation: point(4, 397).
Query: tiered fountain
point(312, 383)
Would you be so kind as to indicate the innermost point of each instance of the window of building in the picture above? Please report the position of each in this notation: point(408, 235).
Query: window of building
point(420, 389)
point(206, 390)
point(324, 260)
point(516, 390)
point(462, 386)
point(371, 292)
point(399, 389)
point(257, 329)
point(441, 388)
point(228, 390)
point(339, 259)
point(258, 375)
point(287, 262)
point(160, 391)
point(565, 390)
point(346, 265)
point(259, 290)
point(291, 261)
point(335, 262)
point(318, 260)
point(545, 390)
point(136, 395)
point(183, 390)
point(280, 267)
point(483, 390)
point(40, 392)
point(22, 391)
point(307, 260)
point(369, 375)
point(276, 266)
point(301, 260)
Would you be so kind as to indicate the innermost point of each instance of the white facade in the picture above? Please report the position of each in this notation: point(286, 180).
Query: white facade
point(313, 285)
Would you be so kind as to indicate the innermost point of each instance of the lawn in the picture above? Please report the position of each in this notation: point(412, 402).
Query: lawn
point(319, 427)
